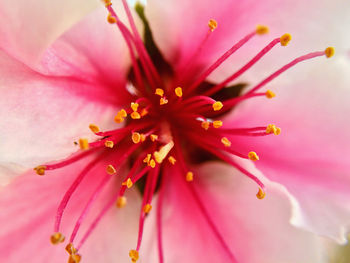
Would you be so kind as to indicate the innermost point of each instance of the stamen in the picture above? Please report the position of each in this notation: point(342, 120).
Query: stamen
point(284, 68)
point(285, 39)
point(189, 176)
point(94, 128)
point(226, 141)
point(148, 158)
point(154, 137)
point(40, 170)
point(212, 24)
point(57, 238)
point(261, 194)
point(119, 118)
point(144, 112)
point(121, 201)
point(83, 144)
point(159, 92)
point(271, 128)
point(261, 29)
point(128, 183)
point(134, 106)
point(136, 137)
point(160, 155)
point(107, 2)
point(172, 160)
point(71, 249)
point(253, 156)
point(111, 170)
point(217, 106)
point(329, 52)
point(205, 125)
point(134, 255)
point(147, 208)
point(269, 94)
point(109, 144)
point(135, 115)
point(217, 124)
point(178, 92)
point(111, 19)
point(163, 101)
point(75, 258)
point(152, 163)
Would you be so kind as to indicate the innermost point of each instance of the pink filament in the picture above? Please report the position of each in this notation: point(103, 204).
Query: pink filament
point(284, 68)
point(217, 63)
point(244, 68)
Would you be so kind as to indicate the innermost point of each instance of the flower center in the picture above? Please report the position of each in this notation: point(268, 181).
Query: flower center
point(163, 117)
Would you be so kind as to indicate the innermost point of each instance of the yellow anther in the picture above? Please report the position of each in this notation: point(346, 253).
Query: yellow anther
point(40, 170)
point(107, 2)
point(261, 194)
point(172, 160)
point(122, 113)
point(269, 94)
point(134, 106)
point(118, 119)
point(143, 137)
point(147, 208)
point(109, 144)
point(159, 92)
point(71, 249)
point(94, 128)
point(163, 101)
point(271, 128)
point(329, 52)
point(128, 183)
point(178, 92)
point(189, 176)
point(143, 112)
point(136, 137)
point(121, 201)
point(83, 144)
point(253, 156)
point(261, 29)
point(285, 39)
point(152, 163)
point(205, 125)
point(57, 238)
point(147, 158)
point(226, 142)
point(160, 155)
point(154, 137)
point(111, 19)
point(212, 24)
point(134, 255)
point(217, 105)
point(135, 115)
point(110, 169)
point(75, 258)
point(217, 124)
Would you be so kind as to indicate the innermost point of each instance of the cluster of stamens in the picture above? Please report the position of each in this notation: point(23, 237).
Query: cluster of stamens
point(158, 121)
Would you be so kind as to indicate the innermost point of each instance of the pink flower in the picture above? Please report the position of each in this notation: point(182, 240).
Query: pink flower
point(59, 75)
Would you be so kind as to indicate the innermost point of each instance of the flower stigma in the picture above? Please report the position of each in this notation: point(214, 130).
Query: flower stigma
point(166, 117)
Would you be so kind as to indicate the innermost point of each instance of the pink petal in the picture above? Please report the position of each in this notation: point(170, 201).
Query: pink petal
point(310, 157)
point(42, 116)
point(253, 229)
point(28, 27)
point(313, 25)
point(28, 207)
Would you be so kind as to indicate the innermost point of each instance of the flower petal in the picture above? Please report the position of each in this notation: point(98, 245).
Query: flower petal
point(28, 27)
point(28, 207)
point(313, 24)
point(253, 229)
point(310, 157)
point(42, 116)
